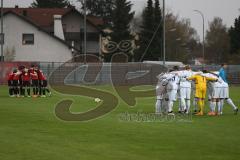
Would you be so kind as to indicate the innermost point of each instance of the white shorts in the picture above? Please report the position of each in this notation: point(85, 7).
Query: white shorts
point(185, 93)
point(216, 92)
point(160, 91)
point(172, 95)
point(160, 97)
point(210, 92)
point(224, 93)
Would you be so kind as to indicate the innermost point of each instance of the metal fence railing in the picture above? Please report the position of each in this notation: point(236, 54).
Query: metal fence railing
point(106, 73)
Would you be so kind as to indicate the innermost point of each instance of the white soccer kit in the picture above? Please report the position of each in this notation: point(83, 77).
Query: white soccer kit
point(185, 90)
point(214, 88)
point(160, 92)
point(161, 85)
point(172, 86)
point(224, 94)
point(185, 85)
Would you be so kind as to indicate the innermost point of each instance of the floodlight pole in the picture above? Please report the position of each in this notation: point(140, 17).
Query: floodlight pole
point(2, 37)
point(202, 15)
point(85, 31)
point(164, 35)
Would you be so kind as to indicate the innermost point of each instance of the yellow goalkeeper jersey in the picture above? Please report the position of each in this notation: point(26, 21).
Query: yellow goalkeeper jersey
point(201, 85)
point(201, 81)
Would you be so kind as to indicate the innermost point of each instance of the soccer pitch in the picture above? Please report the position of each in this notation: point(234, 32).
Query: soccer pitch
point(29, 130)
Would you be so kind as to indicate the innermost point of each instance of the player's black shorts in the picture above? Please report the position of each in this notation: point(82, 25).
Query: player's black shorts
point(26, 84)
point(15, 83)
point(10, 83)
point(20, 83)
point(35, 83)
point(40, 82)
point(44, 83)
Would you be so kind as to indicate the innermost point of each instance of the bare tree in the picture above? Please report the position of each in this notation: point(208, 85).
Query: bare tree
point(217, 41)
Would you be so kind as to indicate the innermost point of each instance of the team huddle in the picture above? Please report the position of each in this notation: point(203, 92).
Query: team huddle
point(22, 80)
point(179, 84)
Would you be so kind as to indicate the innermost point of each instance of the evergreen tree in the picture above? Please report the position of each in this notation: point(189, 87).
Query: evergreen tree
point(234, 34)
point(121, 18)
point(100, 8)
point(50, 4)
point(146, 31)
point(157, 42)
point(150, 48)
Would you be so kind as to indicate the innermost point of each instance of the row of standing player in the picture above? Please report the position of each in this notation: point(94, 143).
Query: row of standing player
point(218, 93)
point(180, 83)
point(21, 80)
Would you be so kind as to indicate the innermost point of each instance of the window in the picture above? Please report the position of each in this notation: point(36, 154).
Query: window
point(28, 39)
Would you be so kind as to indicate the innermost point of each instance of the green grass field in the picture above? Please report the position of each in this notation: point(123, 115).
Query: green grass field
point(29, 130)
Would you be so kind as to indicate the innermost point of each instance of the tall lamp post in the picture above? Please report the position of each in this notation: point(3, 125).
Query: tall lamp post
point(164, 35)
point(85, 31)
point(202, 15)
point(2, 36)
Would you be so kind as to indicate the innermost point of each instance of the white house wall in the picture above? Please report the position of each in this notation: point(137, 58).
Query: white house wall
point(45, 48)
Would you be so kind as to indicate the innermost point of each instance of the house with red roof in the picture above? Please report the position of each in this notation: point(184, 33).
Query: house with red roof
point(48, 34)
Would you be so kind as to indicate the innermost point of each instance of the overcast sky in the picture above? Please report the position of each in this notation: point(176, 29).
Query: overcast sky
point(228, 10)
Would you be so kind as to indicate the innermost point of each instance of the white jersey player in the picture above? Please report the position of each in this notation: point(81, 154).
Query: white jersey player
point(220, 92)
point(214, 91)
point(224, 95)
point(172, 88)
point(160, 92)
point(185, 89)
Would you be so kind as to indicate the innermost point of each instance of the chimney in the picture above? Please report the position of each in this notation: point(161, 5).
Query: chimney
point(16, 6)
point(58, 27)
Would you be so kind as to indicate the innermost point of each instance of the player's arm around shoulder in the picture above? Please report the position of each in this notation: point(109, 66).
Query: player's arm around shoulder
point(211, 79)
point(192, 77)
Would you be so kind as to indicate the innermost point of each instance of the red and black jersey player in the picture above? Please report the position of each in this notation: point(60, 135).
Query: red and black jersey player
point(10, 84)
point(15, 82)
point(35, 82)
point(21, 70)
point(43, 84)
point(26, 84)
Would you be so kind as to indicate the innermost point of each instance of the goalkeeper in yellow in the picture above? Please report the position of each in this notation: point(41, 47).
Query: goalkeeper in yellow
point(201, 90)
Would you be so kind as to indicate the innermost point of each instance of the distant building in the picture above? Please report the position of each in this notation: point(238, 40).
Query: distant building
point(49, 35)
point(167, 63)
